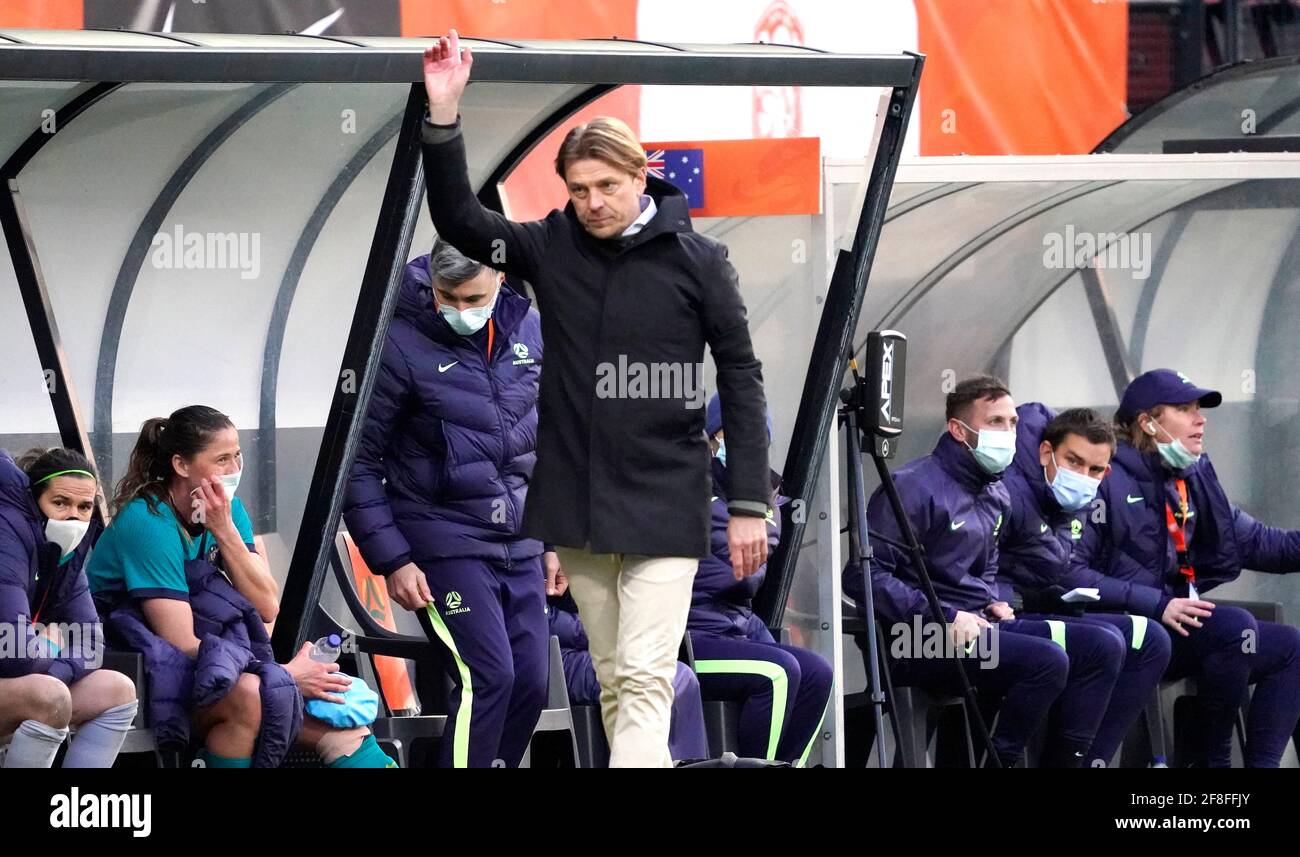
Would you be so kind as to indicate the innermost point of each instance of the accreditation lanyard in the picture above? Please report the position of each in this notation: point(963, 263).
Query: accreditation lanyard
point(1179, 535)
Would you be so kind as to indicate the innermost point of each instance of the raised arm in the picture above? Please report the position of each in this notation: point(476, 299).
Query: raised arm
point(458, 216)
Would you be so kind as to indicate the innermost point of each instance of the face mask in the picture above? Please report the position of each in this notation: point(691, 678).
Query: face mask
point(1072, 490)
point(721, 454)
point(467, 321)
point(994, 449)
point(1174, 454)
point(229, 481)
point(66, 534)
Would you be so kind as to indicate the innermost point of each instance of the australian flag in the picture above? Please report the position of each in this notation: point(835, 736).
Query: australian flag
point(682, 167)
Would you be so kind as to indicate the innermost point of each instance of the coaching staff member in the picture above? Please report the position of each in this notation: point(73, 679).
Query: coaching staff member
point(621, 484)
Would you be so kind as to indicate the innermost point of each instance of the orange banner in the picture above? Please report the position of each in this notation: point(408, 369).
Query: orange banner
point(394, 680)
point(42, 14)
point(745, 178)
point(1021, 77)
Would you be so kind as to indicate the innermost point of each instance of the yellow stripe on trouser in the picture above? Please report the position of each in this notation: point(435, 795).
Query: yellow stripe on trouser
point(460, 739)
point(803, 760)
point(1139, 630)
point(780, 689)
point(1057, 628)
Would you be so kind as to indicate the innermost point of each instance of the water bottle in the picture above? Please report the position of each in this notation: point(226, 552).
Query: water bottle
point(326, 650)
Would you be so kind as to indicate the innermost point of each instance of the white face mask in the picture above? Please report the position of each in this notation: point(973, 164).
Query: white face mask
point(471, 320)
point(66, 534)
point(229, 481)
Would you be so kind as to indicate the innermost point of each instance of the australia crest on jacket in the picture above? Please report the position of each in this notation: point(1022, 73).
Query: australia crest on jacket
point(521, 355)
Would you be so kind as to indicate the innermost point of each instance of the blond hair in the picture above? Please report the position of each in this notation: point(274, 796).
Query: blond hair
point(604, 139)
point(1132, 430)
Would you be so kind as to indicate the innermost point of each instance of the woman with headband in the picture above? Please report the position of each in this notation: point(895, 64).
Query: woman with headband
point(50, 637)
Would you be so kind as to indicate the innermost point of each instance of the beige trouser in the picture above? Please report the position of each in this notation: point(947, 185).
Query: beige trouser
point(634, 611)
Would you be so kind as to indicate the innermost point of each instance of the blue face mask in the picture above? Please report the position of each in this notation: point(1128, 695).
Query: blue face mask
point(471, 320)
point(994, 449)
point(1072, 490)
point(721, 454)
point(1174, 454)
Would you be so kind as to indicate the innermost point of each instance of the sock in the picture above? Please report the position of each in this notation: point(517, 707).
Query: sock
point(34, 745)
point(368, 755)
point(99, 739)
point(212, 760)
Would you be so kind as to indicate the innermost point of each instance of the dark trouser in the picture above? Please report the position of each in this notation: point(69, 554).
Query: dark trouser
point(1096, 656)
point(1231, 651)
point(782, 690)
point(1143, 655)
point(491, 619)
point(1147, 649)
point(1016, 662)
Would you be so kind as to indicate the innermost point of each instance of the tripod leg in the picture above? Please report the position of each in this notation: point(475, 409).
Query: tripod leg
point(889, 692)
point(927, 586)
point(860, 551)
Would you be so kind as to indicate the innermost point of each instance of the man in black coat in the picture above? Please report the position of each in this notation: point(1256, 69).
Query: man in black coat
point(629, 295)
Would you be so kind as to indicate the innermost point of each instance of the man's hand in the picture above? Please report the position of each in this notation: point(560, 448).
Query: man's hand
point(747, 541)
point(1182, 612)
point(408, 587)
point(1000, 611)
point(446, 71)
point(556, 582)
point(314, 679)
point(965, 627)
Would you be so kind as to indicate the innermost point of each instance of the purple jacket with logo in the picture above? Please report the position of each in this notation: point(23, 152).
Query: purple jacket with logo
point(1038, 535)
point(956, 510)
point(1130, 556)
point(447, 450)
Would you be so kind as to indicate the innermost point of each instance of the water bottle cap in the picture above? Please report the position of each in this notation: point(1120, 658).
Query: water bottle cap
point(334, 641)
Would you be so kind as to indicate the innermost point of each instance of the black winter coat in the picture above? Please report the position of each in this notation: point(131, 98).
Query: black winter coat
point(621, 469)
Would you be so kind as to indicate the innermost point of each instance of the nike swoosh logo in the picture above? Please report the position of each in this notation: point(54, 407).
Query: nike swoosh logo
point(442, 368)
point(1132, 499)
point(1042, 528)
point(956, 525)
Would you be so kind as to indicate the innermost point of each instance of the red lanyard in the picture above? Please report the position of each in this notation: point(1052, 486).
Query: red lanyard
point(46, 597)
point(491, 336)
point(1179, 534)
